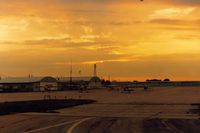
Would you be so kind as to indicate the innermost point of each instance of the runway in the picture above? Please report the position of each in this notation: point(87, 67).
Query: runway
point(98, 118)
point(115, 113)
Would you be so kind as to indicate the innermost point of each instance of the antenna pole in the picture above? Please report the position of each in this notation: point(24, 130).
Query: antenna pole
point(70, 82)
point(95, 70)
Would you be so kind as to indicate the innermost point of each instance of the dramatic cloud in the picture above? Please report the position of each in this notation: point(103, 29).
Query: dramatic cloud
point(171, 13)
point(124, 37)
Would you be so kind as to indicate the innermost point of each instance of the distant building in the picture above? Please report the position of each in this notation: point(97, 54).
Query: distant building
point(24, 84)
point(77, 82)
point(156, 83)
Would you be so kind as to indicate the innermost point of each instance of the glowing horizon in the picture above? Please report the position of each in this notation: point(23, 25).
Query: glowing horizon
point(128, 39)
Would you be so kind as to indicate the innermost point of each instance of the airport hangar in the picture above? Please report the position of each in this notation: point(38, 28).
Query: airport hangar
point(29, 84)
point(65, 83)
point(24, 84)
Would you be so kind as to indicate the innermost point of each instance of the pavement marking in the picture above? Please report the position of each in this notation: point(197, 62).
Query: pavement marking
point(52, 126)
point(70, 130)
point(123, 115)
point(170, 127)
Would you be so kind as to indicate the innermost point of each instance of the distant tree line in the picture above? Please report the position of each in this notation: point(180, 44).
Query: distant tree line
point(158, 80)
point(105, 82)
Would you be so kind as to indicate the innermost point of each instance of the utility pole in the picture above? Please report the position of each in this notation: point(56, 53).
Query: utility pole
point(109, 77)
point(70, 78)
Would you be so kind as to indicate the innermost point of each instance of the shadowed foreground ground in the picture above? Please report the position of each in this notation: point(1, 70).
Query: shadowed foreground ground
point(39, 105)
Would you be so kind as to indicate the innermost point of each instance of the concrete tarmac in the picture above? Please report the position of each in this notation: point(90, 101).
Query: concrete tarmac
point(108, 118)
point(149, 114)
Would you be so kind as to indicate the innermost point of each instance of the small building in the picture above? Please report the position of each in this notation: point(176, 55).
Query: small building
point(24, 84)
point(95, 82)
point(75, 83)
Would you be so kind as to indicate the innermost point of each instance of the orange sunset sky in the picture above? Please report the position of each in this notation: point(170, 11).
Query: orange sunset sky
point(128, 39)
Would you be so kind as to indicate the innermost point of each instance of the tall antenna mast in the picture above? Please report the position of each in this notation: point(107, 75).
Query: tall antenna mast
point(95, 70)
point(70, 71)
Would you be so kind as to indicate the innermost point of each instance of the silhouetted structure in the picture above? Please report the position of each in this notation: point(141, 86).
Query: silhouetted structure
point(20, 84)
point(78, 82)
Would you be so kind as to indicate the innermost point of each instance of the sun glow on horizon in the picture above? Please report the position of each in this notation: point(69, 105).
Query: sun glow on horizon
point(125, 38)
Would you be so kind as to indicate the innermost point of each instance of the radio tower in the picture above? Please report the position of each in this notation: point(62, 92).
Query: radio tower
point(95, 70)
